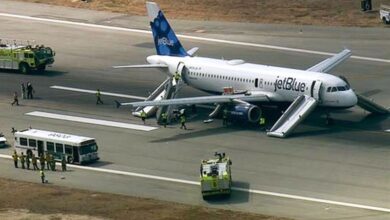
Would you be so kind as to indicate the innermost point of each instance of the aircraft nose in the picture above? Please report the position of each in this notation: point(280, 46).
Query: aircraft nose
point(352, 98)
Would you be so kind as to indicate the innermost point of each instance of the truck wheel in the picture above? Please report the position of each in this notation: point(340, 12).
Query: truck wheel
point(70, 160)
point(24, 68)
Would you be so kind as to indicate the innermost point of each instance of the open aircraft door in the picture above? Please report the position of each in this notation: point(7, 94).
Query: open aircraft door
point(315, 90)
point(183, 71)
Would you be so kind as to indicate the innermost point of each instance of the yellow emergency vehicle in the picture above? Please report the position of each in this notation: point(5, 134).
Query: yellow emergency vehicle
point(216, 176)
point(25, 57)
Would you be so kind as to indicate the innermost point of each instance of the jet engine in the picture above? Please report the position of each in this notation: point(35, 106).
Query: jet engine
point(244, 113)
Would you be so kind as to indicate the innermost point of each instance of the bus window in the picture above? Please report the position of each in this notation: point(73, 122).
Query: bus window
point(59, 148)
point(32, 142)
point(23, 141)
point(50, 146)
point(88, 148)
point(68, 149)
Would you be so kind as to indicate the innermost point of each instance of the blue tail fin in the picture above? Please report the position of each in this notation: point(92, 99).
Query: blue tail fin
point(164, 38)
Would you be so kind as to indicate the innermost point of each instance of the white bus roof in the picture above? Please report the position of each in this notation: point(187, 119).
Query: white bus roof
point(53, 136)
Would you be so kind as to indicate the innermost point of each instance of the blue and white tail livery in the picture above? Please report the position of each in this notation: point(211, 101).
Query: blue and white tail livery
point(165, 39)
point(248, 85)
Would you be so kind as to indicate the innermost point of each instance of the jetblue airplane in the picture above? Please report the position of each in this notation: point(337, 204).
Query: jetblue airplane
point(242, 87)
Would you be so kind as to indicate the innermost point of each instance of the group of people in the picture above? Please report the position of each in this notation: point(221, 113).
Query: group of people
point(44, 159)
point(27, 92)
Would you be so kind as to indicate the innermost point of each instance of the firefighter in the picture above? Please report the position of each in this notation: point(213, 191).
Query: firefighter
point(42, 176)
point(34, 162)
point(224, 117)
point(30, 91)
point(22, 160)
point(47, 159)
point(262, 122)
point(15, 157)
point(143, 116)
point(52, 163)
point(98, 97)
point(183, 122)
point(164, 119)
point(42, 161)
point(63, 163)
point(28, 161)
point(16, 100)
point(177, 77)
point(23, 90)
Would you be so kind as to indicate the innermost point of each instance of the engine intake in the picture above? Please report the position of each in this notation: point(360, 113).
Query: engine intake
point(244, 113)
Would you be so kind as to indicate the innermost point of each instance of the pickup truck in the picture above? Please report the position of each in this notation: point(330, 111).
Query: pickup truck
point(385, 14)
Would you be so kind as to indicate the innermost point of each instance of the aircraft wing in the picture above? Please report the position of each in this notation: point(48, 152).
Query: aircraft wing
point(203, 100)
point(330, 63)
point(142, 66)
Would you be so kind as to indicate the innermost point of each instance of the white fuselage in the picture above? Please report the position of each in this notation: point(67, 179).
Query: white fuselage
point(280, 84)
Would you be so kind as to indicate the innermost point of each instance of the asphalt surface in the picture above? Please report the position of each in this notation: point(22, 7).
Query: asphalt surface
point(347, 162)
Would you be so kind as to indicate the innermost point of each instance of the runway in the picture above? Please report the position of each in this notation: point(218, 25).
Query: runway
point(348, 162)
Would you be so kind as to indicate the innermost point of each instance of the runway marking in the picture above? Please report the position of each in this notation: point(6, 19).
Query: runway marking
point(189, 37)
point(101, 92)
point(254, 191)
point(91, 121)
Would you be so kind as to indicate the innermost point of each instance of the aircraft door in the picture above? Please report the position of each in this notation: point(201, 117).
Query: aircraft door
point(183, 71)
point(316, 90)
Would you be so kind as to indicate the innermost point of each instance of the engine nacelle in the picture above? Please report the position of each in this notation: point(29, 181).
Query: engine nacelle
point(244, 113)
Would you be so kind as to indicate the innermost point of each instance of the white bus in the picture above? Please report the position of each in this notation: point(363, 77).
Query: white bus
point(76, 149)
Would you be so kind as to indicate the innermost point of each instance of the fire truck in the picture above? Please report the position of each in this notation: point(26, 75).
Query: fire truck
point(216, 176)
point(25, 57)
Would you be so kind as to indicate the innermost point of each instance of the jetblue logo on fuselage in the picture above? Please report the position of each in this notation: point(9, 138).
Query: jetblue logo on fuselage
point(165, 41)
point(289, 83)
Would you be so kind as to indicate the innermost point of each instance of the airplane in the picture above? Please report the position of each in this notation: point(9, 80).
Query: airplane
point(242, 87)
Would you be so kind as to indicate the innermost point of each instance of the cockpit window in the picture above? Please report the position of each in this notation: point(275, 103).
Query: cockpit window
point(346, 87)
point(334, 89)
point(328, 89)
point(341, 88)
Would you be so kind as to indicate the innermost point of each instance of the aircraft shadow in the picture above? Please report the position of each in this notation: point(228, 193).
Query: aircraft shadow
point(201, 133)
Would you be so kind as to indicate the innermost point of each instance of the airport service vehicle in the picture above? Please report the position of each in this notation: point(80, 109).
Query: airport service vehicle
point(3, 140)
point(25, 57)
point(76, 149)
point(216, 176)
point(384, 14)
point(251, 85)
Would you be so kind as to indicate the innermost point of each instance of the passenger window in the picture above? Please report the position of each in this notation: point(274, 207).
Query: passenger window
point(68, 149)
point(23, 141)
point(59, 148)
point(334, 89)
point(32, 143)
point(50, 146)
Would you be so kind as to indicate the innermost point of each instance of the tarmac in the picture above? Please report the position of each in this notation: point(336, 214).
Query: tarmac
point(348, 162)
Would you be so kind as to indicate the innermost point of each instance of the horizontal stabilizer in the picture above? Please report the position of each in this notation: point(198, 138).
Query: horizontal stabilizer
point(192, 51)
point(142, 66)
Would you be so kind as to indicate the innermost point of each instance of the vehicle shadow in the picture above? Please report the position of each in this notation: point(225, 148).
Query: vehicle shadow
point(239, 194)
point(48, 73)
point(100, 163)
